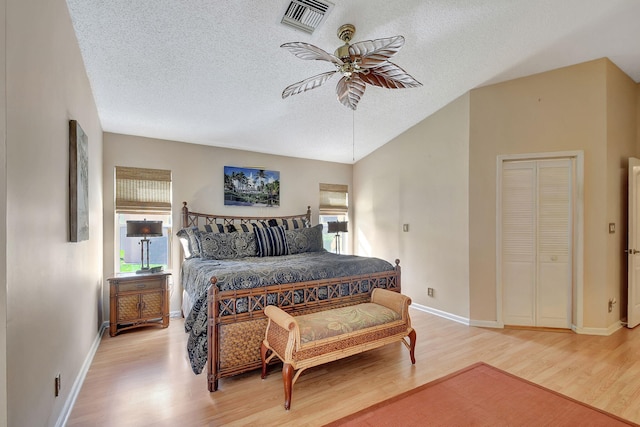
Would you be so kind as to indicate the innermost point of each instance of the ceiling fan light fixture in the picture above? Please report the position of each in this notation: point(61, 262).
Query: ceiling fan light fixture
point(361, 63)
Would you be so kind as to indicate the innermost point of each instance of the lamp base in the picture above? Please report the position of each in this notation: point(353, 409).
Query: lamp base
point(338, 243)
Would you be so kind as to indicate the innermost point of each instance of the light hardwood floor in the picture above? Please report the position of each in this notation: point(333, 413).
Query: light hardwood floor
point(143, 378)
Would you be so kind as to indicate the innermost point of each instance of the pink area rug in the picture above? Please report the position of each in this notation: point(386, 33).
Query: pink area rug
point(481, 395)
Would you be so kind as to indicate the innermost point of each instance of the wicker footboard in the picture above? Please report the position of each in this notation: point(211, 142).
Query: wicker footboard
point(234, 339)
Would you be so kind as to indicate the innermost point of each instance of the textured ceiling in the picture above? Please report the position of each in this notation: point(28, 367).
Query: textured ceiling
point(212, 72)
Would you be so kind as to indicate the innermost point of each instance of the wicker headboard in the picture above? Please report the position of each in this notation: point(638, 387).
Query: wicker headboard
point(196, 219)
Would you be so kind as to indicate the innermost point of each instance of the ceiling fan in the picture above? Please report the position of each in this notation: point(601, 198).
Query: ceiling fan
point(360, 63)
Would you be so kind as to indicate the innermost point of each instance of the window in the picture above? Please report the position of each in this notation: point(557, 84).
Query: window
point(142, 194)
point(334, 206)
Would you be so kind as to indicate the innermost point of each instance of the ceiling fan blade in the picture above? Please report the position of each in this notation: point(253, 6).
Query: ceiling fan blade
point(390, 76)
point(307, 84)
point(374, 52)
point(350, 90)
point(308, 51)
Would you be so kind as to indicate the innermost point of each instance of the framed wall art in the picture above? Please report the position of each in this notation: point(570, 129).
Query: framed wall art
point(78, 183)
point(251, 187)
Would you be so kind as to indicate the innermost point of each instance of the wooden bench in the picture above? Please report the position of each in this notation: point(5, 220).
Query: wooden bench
point(309, 340)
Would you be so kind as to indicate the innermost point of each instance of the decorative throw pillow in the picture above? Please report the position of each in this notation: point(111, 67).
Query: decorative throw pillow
point(305, 239)
point(244, 228)
point(184, 241)
point(194, 244)
point(271, 241)
point(215, 245)
point(227, 245)
point(245, 244)
point(189, 238)
point(294, 223)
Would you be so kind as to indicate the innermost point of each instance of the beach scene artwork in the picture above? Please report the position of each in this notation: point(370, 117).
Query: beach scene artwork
point(244, 186)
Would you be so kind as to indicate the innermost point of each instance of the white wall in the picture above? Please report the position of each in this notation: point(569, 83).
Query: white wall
point(54, 287)
point(197, 178)
point(421, 178)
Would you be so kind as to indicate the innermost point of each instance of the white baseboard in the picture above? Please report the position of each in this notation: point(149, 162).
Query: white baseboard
point(598, 331)
point(459, 319)
point(177, 313)
point(498, 325)
point(441, 313)
point(77, 384)
point(486, 324)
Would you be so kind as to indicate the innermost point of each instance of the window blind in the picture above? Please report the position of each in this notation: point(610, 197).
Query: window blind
point(142, 190)
point(334, 198)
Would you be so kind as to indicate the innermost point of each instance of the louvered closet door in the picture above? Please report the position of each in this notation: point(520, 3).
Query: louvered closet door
point(518, 243)
point(554, 243)
point(536, 243)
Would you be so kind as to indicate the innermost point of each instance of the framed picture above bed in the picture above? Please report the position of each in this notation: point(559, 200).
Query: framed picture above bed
point(251, 187)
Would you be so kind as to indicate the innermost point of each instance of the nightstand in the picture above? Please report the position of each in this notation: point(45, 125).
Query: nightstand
point(138, 300)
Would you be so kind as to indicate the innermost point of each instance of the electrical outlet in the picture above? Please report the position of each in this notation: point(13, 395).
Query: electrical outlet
point(57, 385)
point(612, 302)
point(430, 292)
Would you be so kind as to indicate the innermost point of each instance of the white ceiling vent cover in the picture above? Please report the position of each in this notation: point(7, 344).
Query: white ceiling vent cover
point(306, 15)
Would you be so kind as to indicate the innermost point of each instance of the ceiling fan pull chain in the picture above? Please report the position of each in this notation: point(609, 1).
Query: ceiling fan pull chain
point(353, 134)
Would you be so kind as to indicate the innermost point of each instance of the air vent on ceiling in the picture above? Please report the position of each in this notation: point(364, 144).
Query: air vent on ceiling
point(306, 15)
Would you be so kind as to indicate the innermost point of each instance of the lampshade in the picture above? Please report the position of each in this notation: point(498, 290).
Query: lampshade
point(337, 227)
point(144, 228)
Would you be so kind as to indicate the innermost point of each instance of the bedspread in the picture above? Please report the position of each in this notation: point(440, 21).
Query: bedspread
point(253, 272)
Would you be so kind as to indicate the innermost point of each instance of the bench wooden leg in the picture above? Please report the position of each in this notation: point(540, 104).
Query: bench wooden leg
point(263, 356)
point(412, 346)
point(287, 375)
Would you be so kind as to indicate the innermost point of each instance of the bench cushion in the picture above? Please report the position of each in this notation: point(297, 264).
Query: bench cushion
point(337, 321)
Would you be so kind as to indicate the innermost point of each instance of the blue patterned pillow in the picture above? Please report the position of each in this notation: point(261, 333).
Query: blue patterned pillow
point(294, 223)
point(304, 239)
point(227, 245)
point(245, 244)
point(271, 241)
point(189, 238)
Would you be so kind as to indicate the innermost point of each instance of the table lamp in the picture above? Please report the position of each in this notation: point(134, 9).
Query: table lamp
point(144, 229)
point(337, 227)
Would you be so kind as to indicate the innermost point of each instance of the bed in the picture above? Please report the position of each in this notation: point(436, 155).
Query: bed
point(235, 266)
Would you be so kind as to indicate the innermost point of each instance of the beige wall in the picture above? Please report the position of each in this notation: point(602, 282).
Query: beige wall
point(421, 178)
point(621, 144)
point(440, 177)
point(559, 110)
point(53, 286)
point(197, 178)
point(3, 219)
point(584, 107)
point(637, 119)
